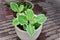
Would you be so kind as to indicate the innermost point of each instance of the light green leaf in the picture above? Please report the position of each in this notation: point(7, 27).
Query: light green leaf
point(22, 19)
point(24, 26)
point(21, 8)
point(30, 29)
point(41, 18)
point(14, 6)
point(29, 14)
point(15, 22)
point(32, 21)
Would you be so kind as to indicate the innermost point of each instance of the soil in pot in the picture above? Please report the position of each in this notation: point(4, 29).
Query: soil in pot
point(20, 27)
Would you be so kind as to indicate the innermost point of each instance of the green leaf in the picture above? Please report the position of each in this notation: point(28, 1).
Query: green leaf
point(25, 8)
point(15, 22)
point(32, 21)
point(14, 6)
point(29, 14)
point(21, 8)
point(36, 25)
point(30, 29)
point(22, 19)
point(41, 18)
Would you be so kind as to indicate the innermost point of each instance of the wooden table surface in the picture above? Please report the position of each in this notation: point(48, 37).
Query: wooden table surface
point(50, 31)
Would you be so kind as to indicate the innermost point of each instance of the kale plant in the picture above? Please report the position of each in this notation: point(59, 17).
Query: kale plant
point(27, 18)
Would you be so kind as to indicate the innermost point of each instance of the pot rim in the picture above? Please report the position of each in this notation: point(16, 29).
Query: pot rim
point(26, 31)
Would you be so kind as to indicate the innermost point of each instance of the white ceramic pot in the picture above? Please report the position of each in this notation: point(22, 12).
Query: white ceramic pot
point(23, 35)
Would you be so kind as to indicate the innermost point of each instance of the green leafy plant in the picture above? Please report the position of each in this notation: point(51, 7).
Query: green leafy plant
point(19, 8)
point(27, 19)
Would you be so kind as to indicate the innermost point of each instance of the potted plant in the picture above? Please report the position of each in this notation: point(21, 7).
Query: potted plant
point(28, 26)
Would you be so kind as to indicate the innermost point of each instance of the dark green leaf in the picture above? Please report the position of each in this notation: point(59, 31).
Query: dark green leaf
point(36, 25)
point(25, 8)
point(14, 6)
